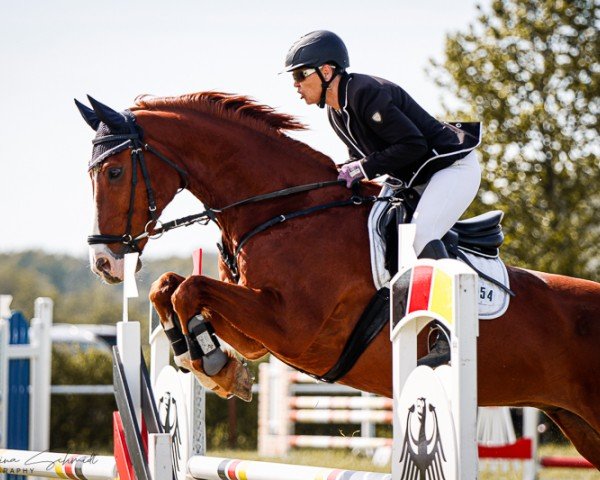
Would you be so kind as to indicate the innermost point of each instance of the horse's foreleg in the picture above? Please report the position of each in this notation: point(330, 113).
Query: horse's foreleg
point(160, 296)
point(235, 304)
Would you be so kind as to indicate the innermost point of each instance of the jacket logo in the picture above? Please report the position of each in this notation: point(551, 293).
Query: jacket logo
point(377, 117)
point(422, 450)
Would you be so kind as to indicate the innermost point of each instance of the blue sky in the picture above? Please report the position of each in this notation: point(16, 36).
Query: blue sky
point(114, 50)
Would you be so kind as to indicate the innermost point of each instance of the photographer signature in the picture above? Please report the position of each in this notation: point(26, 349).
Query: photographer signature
point(46, 460)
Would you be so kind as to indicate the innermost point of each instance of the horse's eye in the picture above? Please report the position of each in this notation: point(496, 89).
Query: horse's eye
point(115, 173)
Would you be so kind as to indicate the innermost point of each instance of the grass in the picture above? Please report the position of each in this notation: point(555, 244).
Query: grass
point(346, 460)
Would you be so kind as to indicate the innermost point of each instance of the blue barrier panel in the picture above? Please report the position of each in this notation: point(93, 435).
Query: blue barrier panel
point(18, 389)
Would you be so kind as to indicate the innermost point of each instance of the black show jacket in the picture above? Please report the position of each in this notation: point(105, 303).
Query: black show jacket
point(381, 124)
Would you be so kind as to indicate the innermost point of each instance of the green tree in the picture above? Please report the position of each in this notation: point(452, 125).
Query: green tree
point(528, 69)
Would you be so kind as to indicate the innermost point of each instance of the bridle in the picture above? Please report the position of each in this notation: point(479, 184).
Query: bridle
point(137, 148)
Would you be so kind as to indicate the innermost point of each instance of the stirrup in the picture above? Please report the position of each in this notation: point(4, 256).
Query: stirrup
point(439, 354)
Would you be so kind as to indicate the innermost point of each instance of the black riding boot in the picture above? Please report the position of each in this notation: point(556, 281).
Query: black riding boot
point(435, 250)
point(439, 354)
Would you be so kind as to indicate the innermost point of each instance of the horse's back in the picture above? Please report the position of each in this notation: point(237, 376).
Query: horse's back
point(546, 343)
point(569, 297)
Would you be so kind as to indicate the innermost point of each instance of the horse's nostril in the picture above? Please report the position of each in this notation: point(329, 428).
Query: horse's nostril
point(101, 263)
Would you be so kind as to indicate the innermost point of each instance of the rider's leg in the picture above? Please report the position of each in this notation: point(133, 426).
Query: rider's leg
point(435, 250)
point(447, 195)
point(445, 198)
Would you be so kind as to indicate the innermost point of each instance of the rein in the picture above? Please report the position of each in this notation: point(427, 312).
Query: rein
point(211, 213)
point(137, 149)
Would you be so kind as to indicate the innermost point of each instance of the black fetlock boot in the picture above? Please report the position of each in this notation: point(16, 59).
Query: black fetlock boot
point(439, 353)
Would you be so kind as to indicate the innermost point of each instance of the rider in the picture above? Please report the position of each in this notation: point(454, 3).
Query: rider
point(387, 132)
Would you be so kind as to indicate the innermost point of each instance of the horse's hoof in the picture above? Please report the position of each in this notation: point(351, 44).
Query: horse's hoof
point(195, 366)
point(222, 393)
point(243, 382)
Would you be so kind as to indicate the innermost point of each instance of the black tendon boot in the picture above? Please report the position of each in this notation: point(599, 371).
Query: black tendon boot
point(439, 353)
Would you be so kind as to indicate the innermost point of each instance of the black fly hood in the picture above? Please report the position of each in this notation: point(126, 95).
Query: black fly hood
point(110, 141)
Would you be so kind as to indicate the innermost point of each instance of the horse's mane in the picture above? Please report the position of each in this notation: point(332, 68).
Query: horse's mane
point(233, 107)
point(227, 105)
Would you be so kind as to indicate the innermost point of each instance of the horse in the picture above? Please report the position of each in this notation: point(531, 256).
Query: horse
point(301, 285)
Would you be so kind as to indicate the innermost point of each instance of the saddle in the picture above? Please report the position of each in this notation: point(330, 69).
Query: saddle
point(481, 235)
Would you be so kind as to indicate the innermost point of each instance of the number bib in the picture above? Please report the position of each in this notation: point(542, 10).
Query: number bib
point(492, 300)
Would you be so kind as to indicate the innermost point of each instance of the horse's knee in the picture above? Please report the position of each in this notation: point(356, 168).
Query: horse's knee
point(186, 299)
point(162, 289)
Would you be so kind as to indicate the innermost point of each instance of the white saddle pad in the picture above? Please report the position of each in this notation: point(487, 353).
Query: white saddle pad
point(493, 301)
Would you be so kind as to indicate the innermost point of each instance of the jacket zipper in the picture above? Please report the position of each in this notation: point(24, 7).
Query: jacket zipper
point(348, 137)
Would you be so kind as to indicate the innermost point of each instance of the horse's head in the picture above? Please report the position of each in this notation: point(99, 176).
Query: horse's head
point(122, 169)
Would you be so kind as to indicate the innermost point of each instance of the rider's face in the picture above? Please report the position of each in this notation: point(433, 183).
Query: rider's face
point(308, 87)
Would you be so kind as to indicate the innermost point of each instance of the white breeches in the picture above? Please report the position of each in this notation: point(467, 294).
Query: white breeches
point(444, 199)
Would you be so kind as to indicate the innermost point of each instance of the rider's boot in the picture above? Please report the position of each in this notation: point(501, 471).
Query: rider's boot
point(435, 250)
point(439, 353)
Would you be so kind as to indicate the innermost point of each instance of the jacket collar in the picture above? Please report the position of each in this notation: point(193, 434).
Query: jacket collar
point(342, 87)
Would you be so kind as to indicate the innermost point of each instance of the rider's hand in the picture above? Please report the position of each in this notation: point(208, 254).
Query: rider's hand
point(351, 173)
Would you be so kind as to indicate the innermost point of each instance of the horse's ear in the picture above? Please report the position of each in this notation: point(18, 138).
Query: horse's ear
point(88, 115)
point(109, 116)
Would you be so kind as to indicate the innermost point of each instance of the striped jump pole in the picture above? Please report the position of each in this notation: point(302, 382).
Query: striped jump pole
point(325, 441)
point(340, 416)
point(366, 403)
point(215, 468)
point(58, 465)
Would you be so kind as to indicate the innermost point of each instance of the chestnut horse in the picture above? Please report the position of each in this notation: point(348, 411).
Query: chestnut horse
point(304, 283)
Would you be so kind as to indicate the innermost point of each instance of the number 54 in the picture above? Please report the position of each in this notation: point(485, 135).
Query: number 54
point(484, 293)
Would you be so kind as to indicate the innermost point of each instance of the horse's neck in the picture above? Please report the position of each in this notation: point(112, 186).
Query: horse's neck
point(237, 163)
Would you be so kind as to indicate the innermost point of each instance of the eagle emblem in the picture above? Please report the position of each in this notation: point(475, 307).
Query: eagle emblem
point(167, 408)
point(422, 454)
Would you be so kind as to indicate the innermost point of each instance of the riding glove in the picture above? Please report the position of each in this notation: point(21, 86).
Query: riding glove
point(351, 173)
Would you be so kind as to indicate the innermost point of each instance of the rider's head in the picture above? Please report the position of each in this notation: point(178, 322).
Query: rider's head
point(321, 52)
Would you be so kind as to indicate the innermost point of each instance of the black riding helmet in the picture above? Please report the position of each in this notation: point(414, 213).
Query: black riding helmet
point(315, 49)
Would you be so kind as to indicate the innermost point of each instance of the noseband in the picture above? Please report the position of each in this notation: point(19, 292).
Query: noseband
point(137, 148)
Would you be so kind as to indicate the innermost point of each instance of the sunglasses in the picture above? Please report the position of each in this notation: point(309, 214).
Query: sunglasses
point(301, 75)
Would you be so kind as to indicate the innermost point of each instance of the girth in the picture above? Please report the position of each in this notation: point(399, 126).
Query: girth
point(375, 316)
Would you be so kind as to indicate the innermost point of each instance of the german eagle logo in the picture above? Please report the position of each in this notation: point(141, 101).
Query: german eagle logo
point(422, 456)
point(168, 410)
